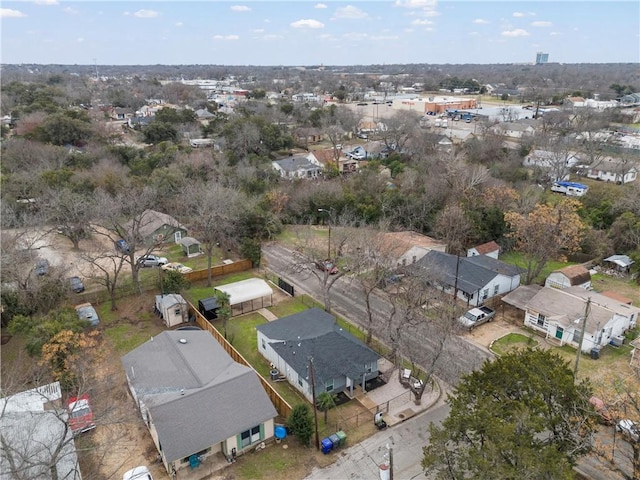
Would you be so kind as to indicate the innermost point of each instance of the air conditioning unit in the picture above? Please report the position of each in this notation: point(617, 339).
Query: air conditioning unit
point(617, 341)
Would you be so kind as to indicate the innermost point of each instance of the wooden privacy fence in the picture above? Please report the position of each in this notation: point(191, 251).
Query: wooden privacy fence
point(283, 408)
point(219, 270)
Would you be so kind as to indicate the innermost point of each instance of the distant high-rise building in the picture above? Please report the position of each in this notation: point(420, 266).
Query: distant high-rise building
point(541, 58)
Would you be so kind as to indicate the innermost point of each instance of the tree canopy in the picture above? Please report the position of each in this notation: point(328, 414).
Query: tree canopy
point(522, 416)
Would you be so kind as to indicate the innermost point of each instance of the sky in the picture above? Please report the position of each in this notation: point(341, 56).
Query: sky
point(301, 32)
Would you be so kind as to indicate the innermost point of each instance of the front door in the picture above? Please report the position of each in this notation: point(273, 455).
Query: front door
point(559, 332)
point(178, 236)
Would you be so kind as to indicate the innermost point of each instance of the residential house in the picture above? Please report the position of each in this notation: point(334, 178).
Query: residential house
point(298, 166)
point(327, 159)
point(154, 227)
point(34, 424)
point(139, 121)
point(571, 276)
point(120, 113)
point(516, 129)
point(195, 400)
point(573, 102)
point(307, 136)
point(475, 279)
point(490, 249)
point(560, 314)
point(557, 163)
point(311, 345)
point(611, 170)
point(204, 143)
point(406, 247)
point(173, 309)
point(204, 116)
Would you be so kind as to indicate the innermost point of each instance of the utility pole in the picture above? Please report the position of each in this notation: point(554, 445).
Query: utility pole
point(390, 463)
point(584, 327)
point(313, 397)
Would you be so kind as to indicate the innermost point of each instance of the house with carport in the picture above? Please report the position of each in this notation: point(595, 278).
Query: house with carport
point(196, 401)
point(559, 315)
point(311, 345)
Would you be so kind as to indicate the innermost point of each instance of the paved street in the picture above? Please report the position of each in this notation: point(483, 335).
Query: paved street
point(362, 461)
point(458, 357)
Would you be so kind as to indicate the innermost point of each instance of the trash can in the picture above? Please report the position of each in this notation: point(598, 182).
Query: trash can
point(342, 436)
point(335, 440)
point(595, 353)
point(327, 445)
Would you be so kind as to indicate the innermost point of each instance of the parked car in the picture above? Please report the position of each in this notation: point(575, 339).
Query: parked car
point(476, 316)
point(42, 267)
point(629, 428)
point(327, 266)
point(138, 473)
point(87, 312)
point(151, 261)
point(177, 267)
point(76, 284)
point(122, 246)
point(80, 414)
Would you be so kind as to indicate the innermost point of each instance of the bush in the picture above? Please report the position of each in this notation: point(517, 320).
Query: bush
point(301, 424)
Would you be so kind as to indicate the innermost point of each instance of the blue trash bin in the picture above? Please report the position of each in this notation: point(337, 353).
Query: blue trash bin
point(327, 445)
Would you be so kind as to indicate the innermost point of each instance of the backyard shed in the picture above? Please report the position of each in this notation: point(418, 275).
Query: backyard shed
point(208, 307)
point(248, 295)
point(190, 246)
point(172, 308)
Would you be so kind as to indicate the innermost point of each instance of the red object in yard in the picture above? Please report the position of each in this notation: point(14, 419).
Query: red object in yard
point(80, 414)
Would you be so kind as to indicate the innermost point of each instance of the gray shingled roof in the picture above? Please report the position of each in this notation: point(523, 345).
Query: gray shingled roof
point(196, 394)
point(473, 272)
point(315, 333)
point(151, 220)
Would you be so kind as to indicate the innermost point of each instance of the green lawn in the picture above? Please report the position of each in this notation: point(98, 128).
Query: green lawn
point(513, 341)
point(293, 305)
point(515, 258)
point(199, 290)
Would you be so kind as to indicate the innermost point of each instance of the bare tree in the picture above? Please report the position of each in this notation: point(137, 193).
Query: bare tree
point(70, 213)
point(214, 211)
point(399, 129)
point(105, 269)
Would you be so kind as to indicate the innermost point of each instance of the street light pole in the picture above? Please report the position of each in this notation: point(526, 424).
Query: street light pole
point(329, 236)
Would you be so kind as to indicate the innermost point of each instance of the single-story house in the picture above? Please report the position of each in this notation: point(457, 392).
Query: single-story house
point(248, 295)
point(327, 158)
point(195, 400)
point(34, 424)
point(305, 136)
point(156, 227)
point(610, 170)
point(490, 249)
point(406, 247)
point(558, 164)
point(560, 314)
point(311, 345)
point(190, 246)
point(621, 263)
point(478, 278)
point(298, 166)
point(208, 307)
point(172, 308)
point(516, 129)
point(571, 276)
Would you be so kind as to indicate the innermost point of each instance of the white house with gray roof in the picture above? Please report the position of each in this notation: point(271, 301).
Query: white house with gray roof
point(298, 166)
point(341, 362)
point(195, 399)
point(559, 314)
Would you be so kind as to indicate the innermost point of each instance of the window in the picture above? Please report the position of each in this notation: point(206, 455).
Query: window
point(367, 368)
point(328, 386)
point(496, 289)
point(485, 293)
point(250, 436)
point(541, 319)
point(299, 380)
point(264, 344)
point(414, 260)
point(176, 312)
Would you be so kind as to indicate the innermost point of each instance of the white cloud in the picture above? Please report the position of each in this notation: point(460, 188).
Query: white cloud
point(416, 3)
point(421, 22)
point(79, 39)
point(319, 5)
point(70, 11)
point(272, 36)
point(179, 24)
point(350, 12)
point(226, 37)
point(523, 14)
point(518, 32)
point(481, 21)
point(555, 34)
point(46, 2)
point(258, 30)
point(146, 13)
point(355, 36)
point(541, 24)
point(307, 23)
point(240, 8)
point(10, 13)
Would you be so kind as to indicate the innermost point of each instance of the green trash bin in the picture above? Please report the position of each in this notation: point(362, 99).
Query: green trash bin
point(342, 436)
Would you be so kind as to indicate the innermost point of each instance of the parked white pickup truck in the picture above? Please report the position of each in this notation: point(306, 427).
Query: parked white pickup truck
point(476, 316)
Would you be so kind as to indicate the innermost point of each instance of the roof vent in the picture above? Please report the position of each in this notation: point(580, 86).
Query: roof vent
point(183, 340)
